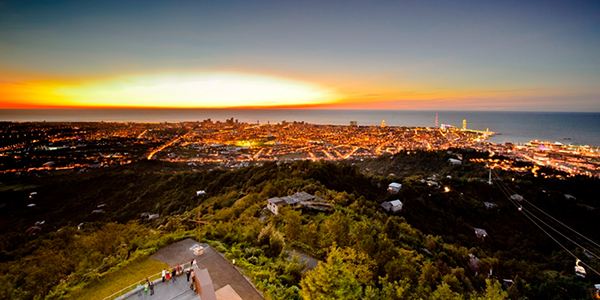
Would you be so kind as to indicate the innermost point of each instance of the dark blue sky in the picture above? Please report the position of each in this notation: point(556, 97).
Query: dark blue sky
point(509, 55)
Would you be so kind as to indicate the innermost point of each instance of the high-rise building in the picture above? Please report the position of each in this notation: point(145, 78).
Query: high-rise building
point(353, 124)
point(436, 120)
point(464, 124)
point(382, 123)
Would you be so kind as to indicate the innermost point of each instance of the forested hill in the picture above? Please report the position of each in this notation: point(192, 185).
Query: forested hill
point(425, 251)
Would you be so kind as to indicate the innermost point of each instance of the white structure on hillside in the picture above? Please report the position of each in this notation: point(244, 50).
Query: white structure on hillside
point(480, 233)
point(455, 161)
point(490, 205)
point(394, 187)
point(394, 206)
point(303, 199)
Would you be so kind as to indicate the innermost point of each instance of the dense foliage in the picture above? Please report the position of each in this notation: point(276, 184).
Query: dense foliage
point(365, 252)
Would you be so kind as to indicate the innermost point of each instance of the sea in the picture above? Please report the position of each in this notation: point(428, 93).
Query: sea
point(576, 128)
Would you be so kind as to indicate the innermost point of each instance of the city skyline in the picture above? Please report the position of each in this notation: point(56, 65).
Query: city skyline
point(337, 55)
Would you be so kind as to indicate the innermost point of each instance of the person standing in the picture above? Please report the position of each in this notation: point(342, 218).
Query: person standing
point(174, 274)
point(188, 273)
point(139, 290)
point(164, 275)
point(151, 284)
point(192, 285)
point(146, 289)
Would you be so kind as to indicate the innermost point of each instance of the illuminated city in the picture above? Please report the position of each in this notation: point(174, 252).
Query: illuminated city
point(231, 144)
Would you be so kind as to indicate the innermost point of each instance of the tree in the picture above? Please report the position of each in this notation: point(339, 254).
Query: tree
point(293, 223)
point(360, 264)
point(404, 266)
point(331, 280)
point(276, 243)
point(429, 274)
point(444, 292)
point(394, 290)
point(336, 229)
point(493, 291)
point(265, 235)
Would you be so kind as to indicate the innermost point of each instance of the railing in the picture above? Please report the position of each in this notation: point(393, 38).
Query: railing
point(124, 292)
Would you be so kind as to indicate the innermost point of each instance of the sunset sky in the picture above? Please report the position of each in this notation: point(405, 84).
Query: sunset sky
point(422, 55)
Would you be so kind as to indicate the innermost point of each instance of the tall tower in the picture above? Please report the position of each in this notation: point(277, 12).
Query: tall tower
point(464, 124)
point(436, 121)
point(382, 123)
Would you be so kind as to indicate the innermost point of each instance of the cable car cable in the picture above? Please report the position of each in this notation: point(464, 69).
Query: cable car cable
point(556, 220)
point(555, 230)
point(542, 229)
point(504, 189)
point(548, 215)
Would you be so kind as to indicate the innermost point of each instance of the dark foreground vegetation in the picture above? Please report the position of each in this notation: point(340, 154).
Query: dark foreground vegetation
point(425, 251)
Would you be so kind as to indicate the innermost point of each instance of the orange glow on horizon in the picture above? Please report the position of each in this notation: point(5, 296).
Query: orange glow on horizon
point(231, 90)
point(168, 90)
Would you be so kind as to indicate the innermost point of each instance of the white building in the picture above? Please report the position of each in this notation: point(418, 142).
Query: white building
point(303, 199)
point(455, 161)
point(273, 204)
point(394, 206)
point(480, 233)
point(394, 187)
point(490, 205)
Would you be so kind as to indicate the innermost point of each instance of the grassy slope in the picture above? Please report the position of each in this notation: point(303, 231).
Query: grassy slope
point(120, 279)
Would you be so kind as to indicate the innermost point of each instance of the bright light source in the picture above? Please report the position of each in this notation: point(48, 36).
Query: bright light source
point(446, 189)
point(205, 90)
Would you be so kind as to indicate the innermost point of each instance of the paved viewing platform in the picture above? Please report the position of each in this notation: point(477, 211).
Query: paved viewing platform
point(228, 283)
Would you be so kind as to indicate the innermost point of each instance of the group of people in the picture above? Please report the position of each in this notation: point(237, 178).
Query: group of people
point(173, 273)
point(149, 285)
point(170, 275)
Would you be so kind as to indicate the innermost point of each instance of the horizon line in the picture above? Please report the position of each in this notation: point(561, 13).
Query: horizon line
point(308, 107)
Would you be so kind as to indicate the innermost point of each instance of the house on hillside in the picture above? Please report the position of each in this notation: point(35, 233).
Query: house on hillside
point(490, 205)
point(274, 203)
point(302, 199)
point(394, 187)
point(454, 161)
point(480, 233)
point(393, 206)
point(432, 183)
